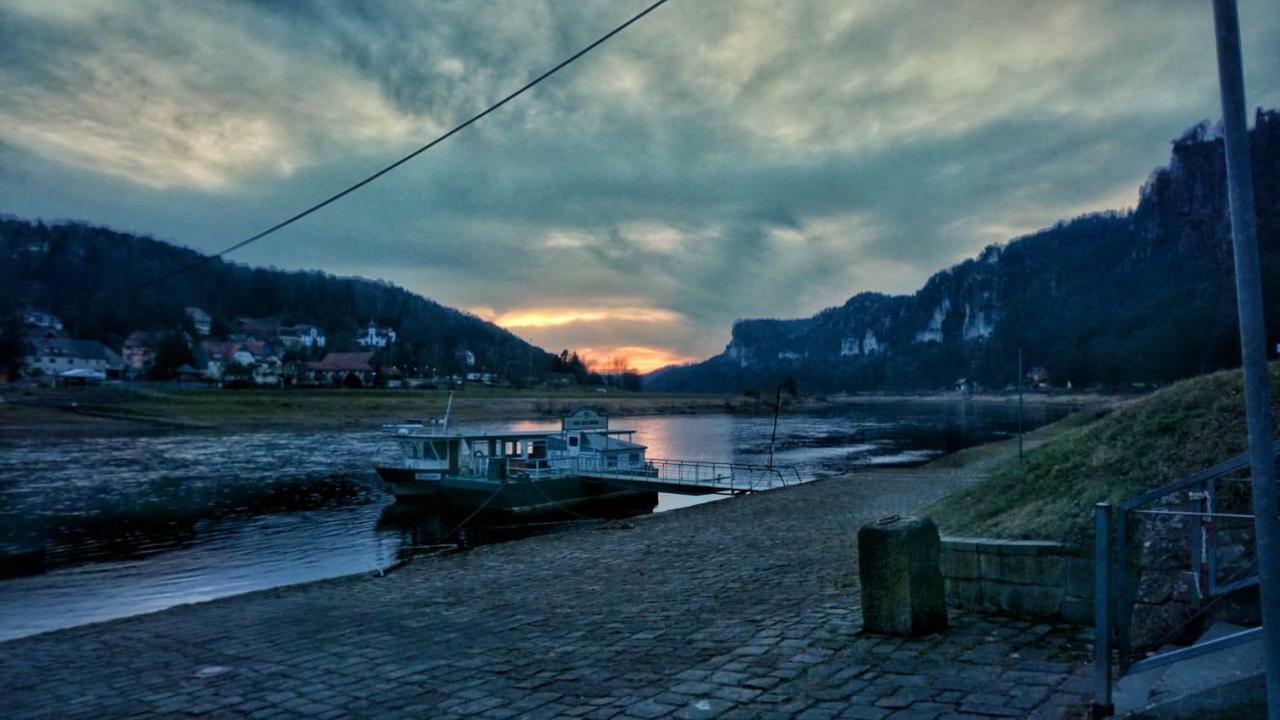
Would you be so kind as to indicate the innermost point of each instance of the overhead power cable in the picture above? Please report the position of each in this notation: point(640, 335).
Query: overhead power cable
point(356, 186)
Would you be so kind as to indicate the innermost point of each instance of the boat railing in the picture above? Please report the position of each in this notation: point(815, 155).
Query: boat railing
point(719, 476)
point(727, 477)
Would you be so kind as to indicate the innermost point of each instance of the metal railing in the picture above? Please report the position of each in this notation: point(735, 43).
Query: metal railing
point(734, 478)
point(700, 474)
point(744, 477)
point(1114, 584)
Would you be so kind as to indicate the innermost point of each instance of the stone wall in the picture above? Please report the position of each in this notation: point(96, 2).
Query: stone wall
point(1019, 578)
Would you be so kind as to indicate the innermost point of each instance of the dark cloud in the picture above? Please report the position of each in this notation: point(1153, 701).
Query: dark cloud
point(721, 159)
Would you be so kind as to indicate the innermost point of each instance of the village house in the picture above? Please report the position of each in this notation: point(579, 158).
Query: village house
point(297, 337)
point(238, 360)
point(247, 328)
point(465, 358)
point(58, 360)
point(375, 337)
point(139, 352)
point(351, 369)
point(200, 320)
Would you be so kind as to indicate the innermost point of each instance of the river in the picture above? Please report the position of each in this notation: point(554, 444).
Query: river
point(102, 528)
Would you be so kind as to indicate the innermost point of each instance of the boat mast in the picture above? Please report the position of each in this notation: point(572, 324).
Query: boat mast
point(447, 408)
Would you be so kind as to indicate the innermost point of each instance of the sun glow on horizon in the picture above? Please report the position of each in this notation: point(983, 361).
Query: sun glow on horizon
point(552, 317)
point(579, 329)
point(640, 358)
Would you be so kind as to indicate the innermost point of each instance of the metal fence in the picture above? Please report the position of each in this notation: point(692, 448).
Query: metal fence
point(1211, 499)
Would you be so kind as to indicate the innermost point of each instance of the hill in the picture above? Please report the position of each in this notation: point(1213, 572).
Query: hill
point(74, 269)
point(1105, 299)
point(1141, 445)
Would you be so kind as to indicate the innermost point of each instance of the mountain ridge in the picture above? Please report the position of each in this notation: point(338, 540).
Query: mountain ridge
point(1083, 299)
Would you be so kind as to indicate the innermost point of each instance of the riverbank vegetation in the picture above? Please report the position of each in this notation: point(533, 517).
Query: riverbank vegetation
point(1090, 457)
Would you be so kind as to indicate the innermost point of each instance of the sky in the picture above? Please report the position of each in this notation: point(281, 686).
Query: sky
point(720, 159)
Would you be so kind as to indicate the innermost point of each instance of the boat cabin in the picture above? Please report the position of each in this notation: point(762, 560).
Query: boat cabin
point(584, 443)
point(423, 450)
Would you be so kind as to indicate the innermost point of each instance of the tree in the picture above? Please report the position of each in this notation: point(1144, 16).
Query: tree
point(171, 353)
point(11, 344)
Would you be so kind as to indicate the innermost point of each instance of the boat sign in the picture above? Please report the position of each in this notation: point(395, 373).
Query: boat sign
point(585, 417)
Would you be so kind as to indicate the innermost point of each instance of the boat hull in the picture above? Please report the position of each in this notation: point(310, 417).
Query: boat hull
point(545, 497)
point(408, 484)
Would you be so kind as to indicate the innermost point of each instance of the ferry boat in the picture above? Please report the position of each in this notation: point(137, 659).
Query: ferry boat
point(520, 473)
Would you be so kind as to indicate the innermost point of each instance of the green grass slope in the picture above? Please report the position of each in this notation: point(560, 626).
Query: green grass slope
point(1140, 445)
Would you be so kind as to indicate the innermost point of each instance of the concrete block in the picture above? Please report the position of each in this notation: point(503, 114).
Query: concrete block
point(1079, 580)
point(960, 544)
point(959, 564)
point(902, 587)
point(1023, 569)
point(965, 593)
point(1030, 547)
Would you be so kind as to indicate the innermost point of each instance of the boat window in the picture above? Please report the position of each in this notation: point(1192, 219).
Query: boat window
point(573, 441)
point(635, 458)
point(612, 461)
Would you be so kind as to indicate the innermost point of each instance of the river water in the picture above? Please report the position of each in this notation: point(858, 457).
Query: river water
point(100, 528)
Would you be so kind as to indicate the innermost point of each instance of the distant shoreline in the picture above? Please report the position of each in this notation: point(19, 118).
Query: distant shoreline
point(119, 411)
point(1030, 398)
point(123, 411)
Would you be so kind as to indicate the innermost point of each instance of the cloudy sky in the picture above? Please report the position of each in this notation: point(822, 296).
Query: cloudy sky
point(721, 159)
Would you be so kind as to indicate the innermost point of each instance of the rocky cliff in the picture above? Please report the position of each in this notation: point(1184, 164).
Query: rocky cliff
point(1109, 298)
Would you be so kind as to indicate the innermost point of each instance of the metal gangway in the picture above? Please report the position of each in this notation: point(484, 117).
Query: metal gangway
point(686, 477)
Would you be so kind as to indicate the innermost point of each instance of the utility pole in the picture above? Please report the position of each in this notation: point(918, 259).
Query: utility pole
point(1253, 338)
point(1019, 404)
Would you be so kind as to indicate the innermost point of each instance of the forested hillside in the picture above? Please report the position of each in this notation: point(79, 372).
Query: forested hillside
point(1106, 299)
point(76, 272)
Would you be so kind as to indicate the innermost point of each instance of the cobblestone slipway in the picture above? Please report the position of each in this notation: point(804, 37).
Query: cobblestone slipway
point(735, 609)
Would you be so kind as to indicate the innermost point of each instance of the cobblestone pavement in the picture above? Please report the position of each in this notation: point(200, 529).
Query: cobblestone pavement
point(741, 608)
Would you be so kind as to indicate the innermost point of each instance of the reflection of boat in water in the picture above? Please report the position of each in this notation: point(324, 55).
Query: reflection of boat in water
point(433, 527)
point(521, 473)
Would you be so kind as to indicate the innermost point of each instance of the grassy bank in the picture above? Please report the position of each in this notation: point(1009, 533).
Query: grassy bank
point(108, 410)
point(1085, 459)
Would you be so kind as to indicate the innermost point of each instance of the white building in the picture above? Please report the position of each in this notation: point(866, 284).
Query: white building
point(55, 357)
point(301, 336)
point(376, 337)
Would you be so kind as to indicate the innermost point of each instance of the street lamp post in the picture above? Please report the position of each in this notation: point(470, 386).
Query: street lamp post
point(1253, 342)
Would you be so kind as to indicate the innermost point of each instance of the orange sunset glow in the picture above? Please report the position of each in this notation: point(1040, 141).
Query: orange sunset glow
point(592, 332)
point(639, 357)
point(551, 317)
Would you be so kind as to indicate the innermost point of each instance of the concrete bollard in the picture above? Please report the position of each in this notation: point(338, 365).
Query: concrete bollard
point(902, 588)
